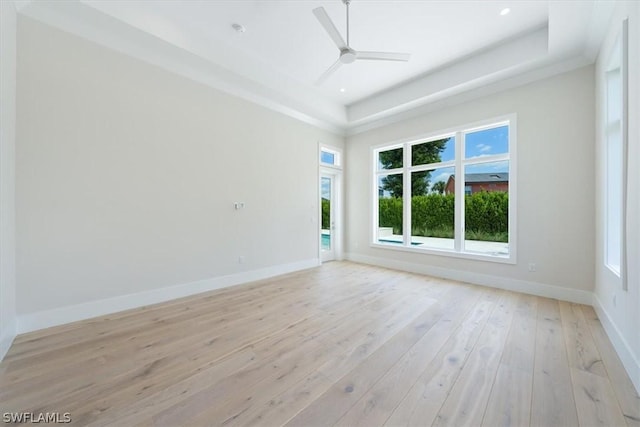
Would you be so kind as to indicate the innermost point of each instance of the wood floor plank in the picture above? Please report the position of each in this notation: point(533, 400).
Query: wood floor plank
point(346, 389)
point(509, 403)
point(581, 349)
point(281, 408)
point(358, 346)
point(258, 293)
point(519, 350)
point(626, 394)
point(467, 400)
point(400, 318)
point(375, 406)
point(269, 348)
point(162, 355)
point(173, 324)
point(345, 344)
point(104, 325)
point(553, 403)
point(232, 339)
point(279, 353)
point(595, 400)
point(421, 404)
point(384, 348)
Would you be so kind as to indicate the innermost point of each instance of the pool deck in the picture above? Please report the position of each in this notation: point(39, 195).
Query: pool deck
point(386, 237)
point(492, 248)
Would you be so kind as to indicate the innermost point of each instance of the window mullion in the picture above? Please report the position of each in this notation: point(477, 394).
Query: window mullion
point(458, 243)
point(487, 159)
point(432, 166)
point(406, 196)
point(389, 171)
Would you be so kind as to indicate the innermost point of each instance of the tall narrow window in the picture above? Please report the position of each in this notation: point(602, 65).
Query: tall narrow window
point(614, 166)
point(390, 195)
point(432, 205)
point(486, 205)
point(448, 194)
point(330, 159)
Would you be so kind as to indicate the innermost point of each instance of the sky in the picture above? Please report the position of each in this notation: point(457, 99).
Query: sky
point(487, 142)
point(326, 157)
point(326, 188)
point(477, 144)
point(481, 143)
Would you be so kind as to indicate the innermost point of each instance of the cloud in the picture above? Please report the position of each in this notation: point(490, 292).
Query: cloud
point(483, 148)
point(500, 167)
point(326, 189)
point(444, 176)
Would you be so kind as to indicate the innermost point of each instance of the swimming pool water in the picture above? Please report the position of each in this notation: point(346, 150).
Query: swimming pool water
point(398, 243)
point(326, 242)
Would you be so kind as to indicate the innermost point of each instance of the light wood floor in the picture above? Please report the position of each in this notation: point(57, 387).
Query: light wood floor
point(343, 344)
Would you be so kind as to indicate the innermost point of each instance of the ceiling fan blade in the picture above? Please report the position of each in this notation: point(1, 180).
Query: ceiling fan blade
point(327, 73)
point(331, 29)
point(383, 56)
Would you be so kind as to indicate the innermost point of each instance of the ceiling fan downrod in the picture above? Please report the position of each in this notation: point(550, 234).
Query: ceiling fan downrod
point(347, 3)
point(347, 55)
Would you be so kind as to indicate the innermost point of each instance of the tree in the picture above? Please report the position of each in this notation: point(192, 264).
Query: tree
point(326, 214)
point(438, 187)
point(421, 154)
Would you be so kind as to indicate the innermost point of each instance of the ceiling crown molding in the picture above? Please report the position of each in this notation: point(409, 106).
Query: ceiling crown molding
point(530, 56)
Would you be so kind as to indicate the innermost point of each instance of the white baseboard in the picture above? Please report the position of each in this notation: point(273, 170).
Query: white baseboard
point(620, 344)
point(59, 316)
point(6, 339)
point(533, 288)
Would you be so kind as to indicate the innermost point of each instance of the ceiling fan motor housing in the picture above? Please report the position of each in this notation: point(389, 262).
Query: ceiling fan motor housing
point(347, 55)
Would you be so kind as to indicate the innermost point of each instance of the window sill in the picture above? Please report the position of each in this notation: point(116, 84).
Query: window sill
point(502, 259)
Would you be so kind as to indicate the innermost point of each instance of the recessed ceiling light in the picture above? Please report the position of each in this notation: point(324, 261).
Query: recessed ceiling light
point(342, 89)
point(505, 11)
point(239, 28)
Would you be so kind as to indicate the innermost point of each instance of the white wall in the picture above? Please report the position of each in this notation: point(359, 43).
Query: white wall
point(7, 175)
point(622, 318)
point(127, 175)
point(555, 162)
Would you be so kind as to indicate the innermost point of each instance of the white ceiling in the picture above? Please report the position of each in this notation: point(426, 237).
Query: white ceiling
point(455, 47)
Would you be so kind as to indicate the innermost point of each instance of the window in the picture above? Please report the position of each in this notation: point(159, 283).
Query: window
point(450, 194)
point(329, 157)
point(615, 167)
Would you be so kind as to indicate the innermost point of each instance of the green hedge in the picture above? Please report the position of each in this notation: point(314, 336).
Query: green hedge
point(326, 215)
point(487, 212)
point(390, 213)
point(433, 215)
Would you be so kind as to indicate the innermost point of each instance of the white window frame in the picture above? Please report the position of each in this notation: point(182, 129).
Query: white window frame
point(616, 124)
point(459, 163)
point(337, 156)
point(335, 170)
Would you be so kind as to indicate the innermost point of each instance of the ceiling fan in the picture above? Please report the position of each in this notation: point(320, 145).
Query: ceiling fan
point(348, 54)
